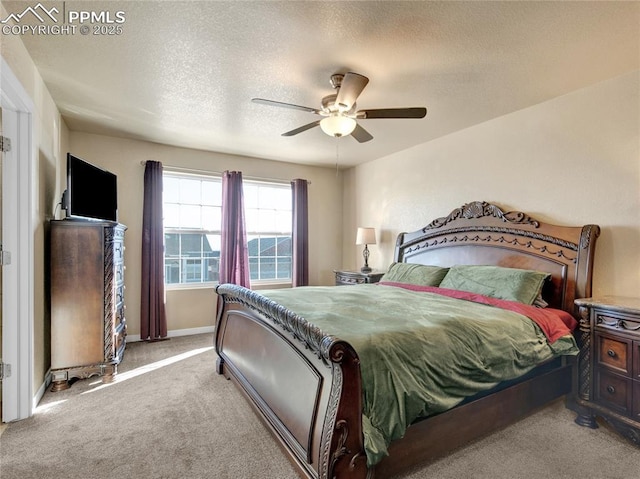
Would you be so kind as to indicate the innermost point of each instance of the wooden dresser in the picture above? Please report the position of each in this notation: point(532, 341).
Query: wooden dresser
point(88, 325)
point(609, 364)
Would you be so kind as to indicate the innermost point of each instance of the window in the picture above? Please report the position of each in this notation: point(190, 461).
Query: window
point(192, 219)
point(192, 215)
point(268, 217)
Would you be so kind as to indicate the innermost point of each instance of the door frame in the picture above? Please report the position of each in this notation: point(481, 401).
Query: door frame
point(18, 229)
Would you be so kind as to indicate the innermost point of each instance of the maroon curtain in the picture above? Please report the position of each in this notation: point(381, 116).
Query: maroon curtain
point(234, 255)
point(300, 236)
point(153, 320)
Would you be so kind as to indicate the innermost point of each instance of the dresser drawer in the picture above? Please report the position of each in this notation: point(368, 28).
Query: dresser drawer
point(120, 294)
point(119, 315)
point(614, 392)
point(120, 343)
point(119, 272)
point(615, 353)
point(118, 251)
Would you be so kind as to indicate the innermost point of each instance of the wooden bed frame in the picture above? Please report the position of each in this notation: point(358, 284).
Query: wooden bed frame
point(305, 385)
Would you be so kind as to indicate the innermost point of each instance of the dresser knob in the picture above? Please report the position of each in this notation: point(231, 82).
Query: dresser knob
point(611, 389)
point(611, 353)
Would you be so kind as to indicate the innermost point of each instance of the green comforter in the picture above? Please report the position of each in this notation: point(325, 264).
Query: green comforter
point(420, 353)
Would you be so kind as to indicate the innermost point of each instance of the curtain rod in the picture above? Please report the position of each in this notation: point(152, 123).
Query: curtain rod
point(210, 172)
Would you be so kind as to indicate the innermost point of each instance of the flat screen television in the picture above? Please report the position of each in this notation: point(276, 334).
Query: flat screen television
point(91, 193)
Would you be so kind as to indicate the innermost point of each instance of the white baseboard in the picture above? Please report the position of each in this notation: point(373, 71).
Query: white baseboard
point(42, 389)
point(132, 338)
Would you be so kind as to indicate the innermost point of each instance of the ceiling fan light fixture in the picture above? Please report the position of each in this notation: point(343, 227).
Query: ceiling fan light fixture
point(338, 125)
point(339, 110)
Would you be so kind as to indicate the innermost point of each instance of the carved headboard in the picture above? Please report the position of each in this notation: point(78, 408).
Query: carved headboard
point(481, 233)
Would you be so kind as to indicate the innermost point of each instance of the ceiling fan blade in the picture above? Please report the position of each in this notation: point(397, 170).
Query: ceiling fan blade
point(392, 113)
point(301, 129)
point(262, 101)
point(350, 89)
point(361, 134)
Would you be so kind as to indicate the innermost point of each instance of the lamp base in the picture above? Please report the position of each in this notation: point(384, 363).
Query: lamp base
point(365, 269)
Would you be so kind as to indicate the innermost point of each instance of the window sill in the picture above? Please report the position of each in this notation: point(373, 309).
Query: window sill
point(254, 286)
point(180, 286)
point(270, 285)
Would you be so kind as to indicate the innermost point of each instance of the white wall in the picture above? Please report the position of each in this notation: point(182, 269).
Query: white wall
point(573, 160)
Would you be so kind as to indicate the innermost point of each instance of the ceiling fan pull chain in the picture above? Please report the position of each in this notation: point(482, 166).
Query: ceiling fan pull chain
point(337, 153)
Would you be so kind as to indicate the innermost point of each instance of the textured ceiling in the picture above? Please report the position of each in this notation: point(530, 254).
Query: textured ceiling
point(183, 73)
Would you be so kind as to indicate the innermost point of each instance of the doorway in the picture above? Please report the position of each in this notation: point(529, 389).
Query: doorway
point(2, 148)
point(17, 225)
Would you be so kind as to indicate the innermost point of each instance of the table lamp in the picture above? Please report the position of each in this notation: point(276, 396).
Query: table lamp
point(366, 236)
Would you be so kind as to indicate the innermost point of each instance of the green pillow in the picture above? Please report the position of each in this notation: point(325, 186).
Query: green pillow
point(418, 274)
point(511, 284)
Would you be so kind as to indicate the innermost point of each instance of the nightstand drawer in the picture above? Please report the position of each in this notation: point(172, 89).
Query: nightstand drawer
point(636, 360)
point(614, 391)
point(618, 321)
point(344, 277)
point(614, 353)
point(636, 401)
point(347, 278)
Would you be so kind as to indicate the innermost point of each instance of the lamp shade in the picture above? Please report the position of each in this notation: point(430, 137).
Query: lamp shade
point(337, 125)
point(366, 236)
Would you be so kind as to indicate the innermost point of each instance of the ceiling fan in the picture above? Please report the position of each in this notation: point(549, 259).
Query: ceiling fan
point(339, 109)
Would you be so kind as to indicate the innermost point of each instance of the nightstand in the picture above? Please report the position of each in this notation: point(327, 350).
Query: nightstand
point(346, 277)
point(609, 363)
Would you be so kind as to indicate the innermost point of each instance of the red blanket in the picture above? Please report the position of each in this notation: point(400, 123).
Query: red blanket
point(554, 323)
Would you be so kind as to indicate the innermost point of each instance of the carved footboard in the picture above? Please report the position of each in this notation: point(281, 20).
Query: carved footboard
point(304, 384)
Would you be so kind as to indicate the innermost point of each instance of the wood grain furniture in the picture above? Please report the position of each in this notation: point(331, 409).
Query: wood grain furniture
point(609, 363)
point(346, 277)
point(88, 325)
point(265, 349)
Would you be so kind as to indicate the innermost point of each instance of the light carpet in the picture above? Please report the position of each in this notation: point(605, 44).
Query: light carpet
point(169, 415)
